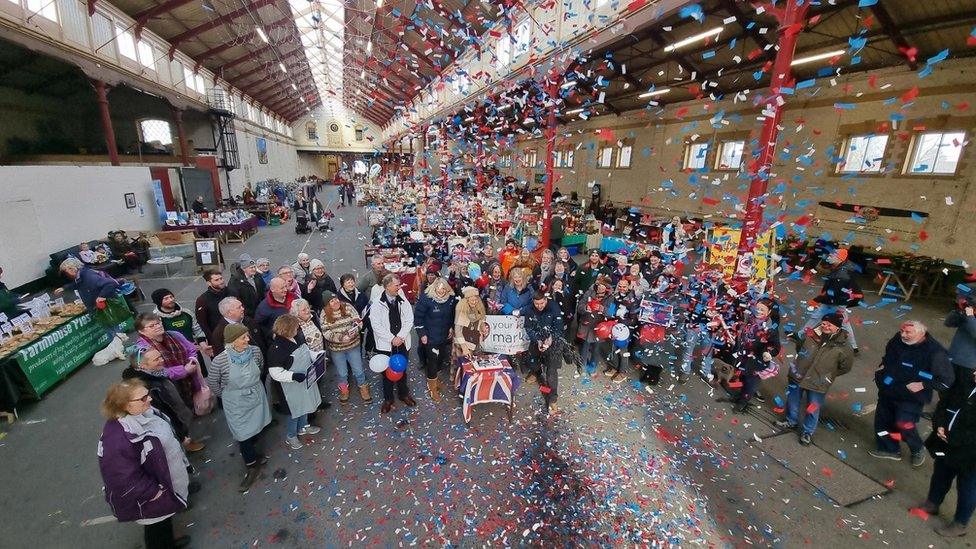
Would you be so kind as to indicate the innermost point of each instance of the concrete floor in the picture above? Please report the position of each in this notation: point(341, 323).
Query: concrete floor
point(621, 464)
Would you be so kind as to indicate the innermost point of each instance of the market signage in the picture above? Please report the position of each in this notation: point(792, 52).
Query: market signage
point(506, 335)
point(52, 357)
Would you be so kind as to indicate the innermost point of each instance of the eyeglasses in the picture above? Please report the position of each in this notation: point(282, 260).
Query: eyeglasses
point(143, 398)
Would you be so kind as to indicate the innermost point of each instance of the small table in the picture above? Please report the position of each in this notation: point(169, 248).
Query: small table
point(166, 261)
point(483, 386)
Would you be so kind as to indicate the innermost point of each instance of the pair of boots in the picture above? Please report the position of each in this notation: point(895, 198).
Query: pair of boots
point(434, 386)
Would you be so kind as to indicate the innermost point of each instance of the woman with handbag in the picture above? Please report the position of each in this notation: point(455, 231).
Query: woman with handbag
point(953, 445)
point(179, 361)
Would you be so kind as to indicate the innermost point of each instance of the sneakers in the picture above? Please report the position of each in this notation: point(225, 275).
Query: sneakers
point(364, 394)
point(553, 410)
point(759, 397)
point(618, 377)
point(785, 424)
point(607, 370)
point(953, 530)
point(310, 430)
point(881, 454)
point(344, 394)
point(918, 458)
point(294, 443)
point(805, 439)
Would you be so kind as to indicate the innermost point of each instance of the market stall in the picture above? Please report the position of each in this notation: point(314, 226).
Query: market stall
point(236, 226)
point(31, 362)
point(483, 379)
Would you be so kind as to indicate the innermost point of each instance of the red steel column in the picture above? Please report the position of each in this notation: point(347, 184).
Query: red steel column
point(479, 165)
point(791, 18)
point(550, 149)
point(445, 156)
point(184, 144)
point(424, 164)
point(101, 90)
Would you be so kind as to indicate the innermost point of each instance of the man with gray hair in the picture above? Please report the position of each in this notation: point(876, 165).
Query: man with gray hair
point(374, 276)
point(232, 312)
point(914, 364)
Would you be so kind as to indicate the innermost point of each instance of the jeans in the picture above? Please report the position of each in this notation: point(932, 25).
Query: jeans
point(159, 535)
point(942, 476)
point(817, 316)
point(695, 336)
point(897, 416)
point(794, 396)
point(296, 424)
point(617, 356)
point(586, 352)
point(350, 359)
point(248, 450)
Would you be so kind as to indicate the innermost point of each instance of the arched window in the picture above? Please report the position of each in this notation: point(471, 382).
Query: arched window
point(312, 129)
point(156, 135)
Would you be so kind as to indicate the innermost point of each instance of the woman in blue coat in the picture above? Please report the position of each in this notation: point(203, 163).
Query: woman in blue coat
point(434, 319)
point(518, 294)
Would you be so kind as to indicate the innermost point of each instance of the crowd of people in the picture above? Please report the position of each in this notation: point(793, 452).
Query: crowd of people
point(264, 331)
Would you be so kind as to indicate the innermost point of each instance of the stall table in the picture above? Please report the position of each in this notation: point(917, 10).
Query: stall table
point(481, 386)
point(226, 232)
point(31, 370)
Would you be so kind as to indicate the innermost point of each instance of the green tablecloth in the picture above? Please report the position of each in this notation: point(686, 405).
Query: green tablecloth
point(39, 365)
point(574, 239)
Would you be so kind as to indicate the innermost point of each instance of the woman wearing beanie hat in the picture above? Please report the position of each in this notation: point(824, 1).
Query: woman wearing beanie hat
point(174, 318)
point(317, 282)
point(235, 378)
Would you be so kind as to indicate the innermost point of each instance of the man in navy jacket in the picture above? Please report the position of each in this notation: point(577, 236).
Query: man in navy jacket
point(914, 364)
point(544, 326)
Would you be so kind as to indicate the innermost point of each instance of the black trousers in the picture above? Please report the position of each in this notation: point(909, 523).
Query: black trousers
point(159, 535)
point(249, 450)
point(546, 366)
point(402, 388)
point(436, 358)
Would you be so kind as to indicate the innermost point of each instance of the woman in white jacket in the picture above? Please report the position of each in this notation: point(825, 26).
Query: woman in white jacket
point(391, 318)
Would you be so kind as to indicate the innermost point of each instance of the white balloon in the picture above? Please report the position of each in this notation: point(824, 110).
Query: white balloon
point(379, 363)
point(620, 332)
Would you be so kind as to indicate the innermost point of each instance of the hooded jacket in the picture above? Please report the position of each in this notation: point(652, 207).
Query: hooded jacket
point(839, 287)
point(248, 291)
point(91, 285)
point(540, 325)
point(956, 413)
point(820, 360)
point(962, 349)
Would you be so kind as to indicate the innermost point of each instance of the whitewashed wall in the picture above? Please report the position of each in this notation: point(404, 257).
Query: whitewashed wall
point(44, 209)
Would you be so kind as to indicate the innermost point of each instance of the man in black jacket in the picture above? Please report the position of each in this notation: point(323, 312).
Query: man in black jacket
point(246, 284)
point(207, 311)
point(840, 292)
point(544, 326)
point(914, 364)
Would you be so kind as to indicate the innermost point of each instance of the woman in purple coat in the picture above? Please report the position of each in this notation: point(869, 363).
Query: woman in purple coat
point(143, 465)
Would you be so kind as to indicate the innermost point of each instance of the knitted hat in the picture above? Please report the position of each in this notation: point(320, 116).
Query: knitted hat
point(160, 294)
point(327, 296)
point(245, 260)
point(232, 332)
point(315, 264)
point(468, 291)
point(834, 318)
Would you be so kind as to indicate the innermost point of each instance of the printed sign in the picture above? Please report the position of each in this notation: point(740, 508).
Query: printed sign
point(723, 249)
point(315, 370)
point(654, 312)
point(506, 335)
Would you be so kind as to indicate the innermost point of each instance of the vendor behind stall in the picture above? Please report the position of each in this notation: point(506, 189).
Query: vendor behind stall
point(8, 301)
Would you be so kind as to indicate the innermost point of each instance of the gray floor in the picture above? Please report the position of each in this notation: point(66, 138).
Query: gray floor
point(622, 463)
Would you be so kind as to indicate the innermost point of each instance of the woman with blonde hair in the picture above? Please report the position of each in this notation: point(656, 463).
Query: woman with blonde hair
point(525, 262)
point(143, 466)
point(469, 322)
point(434, 319)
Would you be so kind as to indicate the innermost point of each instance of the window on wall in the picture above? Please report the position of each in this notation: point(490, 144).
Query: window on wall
point(729, 155)
point(313, 131)
point(605, 159)
point(188, 80)
point(695, 155)
point(154, 132)
point(201, 85)
point(146, 56)
point(936, 153)
point(359, 134)
point(503, 50)
point(126, 42)
point(623, 155)
point(569, 156)
point(47, 9)
point(864, 154)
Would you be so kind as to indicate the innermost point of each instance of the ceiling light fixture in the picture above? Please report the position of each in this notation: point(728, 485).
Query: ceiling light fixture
point(817, 57)
point(574, 111)
point(369, 47)
point(282, 67)
point(294, 87)
point(261, 34)
point(654, 93)
point(693, 39)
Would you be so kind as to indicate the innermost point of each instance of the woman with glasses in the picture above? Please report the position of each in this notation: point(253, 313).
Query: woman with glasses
point(180, 361)
point(143, 466)
point(146, 365)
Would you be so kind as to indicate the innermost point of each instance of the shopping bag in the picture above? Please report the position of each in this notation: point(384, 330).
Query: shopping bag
point(114, 312)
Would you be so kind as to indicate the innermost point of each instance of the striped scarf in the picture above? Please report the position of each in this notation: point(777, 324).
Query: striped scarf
point(173, 353)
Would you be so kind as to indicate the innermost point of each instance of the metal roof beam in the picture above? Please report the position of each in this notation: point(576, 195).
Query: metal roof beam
point(214, 23)
point(144, 16)
point(894, 33)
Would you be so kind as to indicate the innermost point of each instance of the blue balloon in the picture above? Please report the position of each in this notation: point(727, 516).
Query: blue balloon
point(398, 363)
point(620, 343)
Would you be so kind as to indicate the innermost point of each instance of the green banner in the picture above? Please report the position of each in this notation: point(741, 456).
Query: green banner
point(59, 352)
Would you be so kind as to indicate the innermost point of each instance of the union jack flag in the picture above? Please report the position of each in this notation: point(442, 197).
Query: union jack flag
point(480, 387)
point(463, 255)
